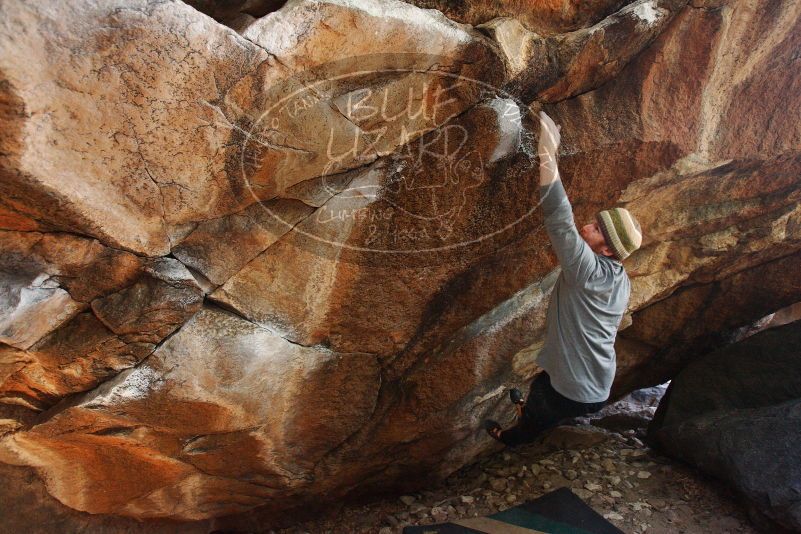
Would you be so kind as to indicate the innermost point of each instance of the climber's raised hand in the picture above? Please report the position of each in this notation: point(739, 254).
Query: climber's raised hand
point(550, 137)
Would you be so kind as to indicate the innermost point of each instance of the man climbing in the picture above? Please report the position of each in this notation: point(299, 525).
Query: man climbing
point(587, 305)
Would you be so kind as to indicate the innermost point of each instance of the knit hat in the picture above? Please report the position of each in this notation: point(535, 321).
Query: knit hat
point(621, 230)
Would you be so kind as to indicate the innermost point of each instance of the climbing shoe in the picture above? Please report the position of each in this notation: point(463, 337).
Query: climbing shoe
point(493, 429)
point(516, 396)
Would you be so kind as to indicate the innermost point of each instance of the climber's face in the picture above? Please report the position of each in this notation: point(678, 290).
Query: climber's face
point(591, 233)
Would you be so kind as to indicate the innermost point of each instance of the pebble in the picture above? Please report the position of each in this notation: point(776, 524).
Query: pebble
point(581, 492)
point(385, 530)
point(407, 500)
point(511, 498)
point(643, 474)
point(439, 514)
point(613, 515)
point(590, 486)
point(616, 494)
point(498, 484)
point(571, 474)
point(467, 499)
point(536, 469)
point(417, 508)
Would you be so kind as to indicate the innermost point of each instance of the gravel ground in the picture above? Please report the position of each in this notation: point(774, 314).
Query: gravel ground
point(631, 485)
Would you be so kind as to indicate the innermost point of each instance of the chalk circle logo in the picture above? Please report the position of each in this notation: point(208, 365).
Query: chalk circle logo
point(396, 160)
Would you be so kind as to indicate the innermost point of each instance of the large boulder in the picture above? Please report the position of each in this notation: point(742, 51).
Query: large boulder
point(756, 451)
point(223, 416)
point(254, 273)
point(95, 95)
point(79, 313)
point(542, 17)
point(736, 414)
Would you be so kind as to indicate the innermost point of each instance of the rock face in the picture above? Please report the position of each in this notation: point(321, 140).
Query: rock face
point(736, 414)
point(755, 451)
point(542, 17)
point(252, 273)
point(224, 411)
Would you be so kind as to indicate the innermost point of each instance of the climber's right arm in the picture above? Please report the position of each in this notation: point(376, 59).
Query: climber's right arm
point(576, 258)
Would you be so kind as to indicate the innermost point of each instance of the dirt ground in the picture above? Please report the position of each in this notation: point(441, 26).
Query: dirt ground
point(611, 469)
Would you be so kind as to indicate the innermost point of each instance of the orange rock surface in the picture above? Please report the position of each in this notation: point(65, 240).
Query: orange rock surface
point(251, 273)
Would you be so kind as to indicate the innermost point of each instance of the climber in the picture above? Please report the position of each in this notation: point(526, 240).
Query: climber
point(586, 308)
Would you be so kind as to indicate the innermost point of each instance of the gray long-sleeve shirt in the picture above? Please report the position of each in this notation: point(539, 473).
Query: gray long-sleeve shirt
point(587, 305)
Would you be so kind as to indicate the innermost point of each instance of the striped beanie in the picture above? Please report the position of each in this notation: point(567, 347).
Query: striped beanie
point(621, 230)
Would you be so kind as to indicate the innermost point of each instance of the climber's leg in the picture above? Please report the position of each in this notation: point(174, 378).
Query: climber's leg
point(536, 415)
point(517, 399)
point(545, 408)
point(568, 408)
